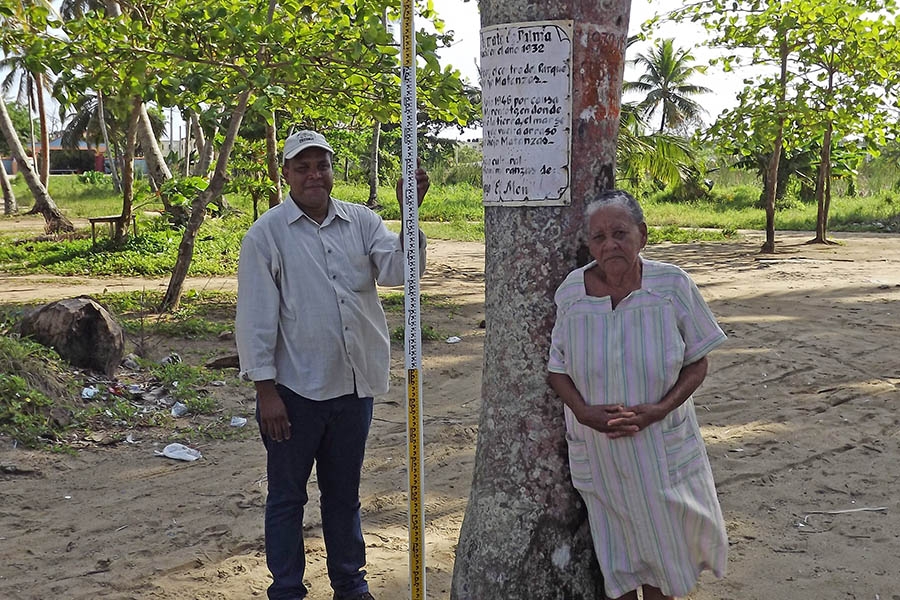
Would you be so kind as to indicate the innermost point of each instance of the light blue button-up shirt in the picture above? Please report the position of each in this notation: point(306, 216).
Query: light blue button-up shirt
point(308, 312)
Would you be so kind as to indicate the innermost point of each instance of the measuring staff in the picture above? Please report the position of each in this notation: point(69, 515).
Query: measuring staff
point(413, 334)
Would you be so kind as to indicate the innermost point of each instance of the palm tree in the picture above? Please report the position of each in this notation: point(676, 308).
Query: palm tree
point(666, 86)
point(33, 85)
point(96, 119)
point(664, 159)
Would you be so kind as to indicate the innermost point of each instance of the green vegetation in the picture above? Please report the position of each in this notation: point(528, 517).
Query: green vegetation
point(41, 403)
point(202, 313)
point(31, 378)
point(429, 333)
point(450, 212)
point(394, 302)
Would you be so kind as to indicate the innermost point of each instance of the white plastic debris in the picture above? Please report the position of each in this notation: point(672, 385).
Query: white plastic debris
point(238, 421)
point(171, 359)
point(179, 452)
point(89, 392)
point(217, 383)
point(454, 339)
point(179, 409)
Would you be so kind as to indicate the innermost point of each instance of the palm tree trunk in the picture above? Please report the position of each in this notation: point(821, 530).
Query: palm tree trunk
point(205, 148)
point(523, 513)
point(156, 164)
point(9, 198)
point(113, 169)
point(45, 136)
point(55, 221)
point(32, 140)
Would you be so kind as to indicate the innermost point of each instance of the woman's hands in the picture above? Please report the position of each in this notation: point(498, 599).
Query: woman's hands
point(633, 420)
point(615, 420)
point(612, 419)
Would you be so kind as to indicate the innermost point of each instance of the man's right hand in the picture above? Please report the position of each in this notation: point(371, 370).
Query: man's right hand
point(273, 417)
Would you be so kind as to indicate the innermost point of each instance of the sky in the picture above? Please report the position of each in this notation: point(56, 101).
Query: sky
point(463, 19)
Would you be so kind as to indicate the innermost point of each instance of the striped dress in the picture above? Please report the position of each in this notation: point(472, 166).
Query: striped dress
point(651, 499)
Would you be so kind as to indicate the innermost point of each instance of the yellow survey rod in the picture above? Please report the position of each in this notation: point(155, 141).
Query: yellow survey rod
point(413, 334)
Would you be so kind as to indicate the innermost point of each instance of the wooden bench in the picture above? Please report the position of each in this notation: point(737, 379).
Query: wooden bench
point(111, 221)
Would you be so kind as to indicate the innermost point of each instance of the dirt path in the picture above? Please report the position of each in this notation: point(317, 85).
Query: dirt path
point(800, 414)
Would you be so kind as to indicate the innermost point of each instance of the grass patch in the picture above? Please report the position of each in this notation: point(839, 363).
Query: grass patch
point(393, 302)
point(201, 313)
point(683, 235)
point(32, 380)
point(429, 333)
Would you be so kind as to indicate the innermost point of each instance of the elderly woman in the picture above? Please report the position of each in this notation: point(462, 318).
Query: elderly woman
point(629, 348)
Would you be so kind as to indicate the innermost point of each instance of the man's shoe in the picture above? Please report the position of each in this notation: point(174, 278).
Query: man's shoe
point(362, 596)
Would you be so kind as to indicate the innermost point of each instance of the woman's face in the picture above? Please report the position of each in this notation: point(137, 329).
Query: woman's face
point(615, 240)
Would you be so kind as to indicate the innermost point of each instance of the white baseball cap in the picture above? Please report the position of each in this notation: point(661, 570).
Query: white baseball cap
point(301, 140)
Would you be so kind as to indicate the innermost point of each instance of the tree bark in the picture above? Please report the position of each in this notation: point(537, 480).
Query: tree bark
point(157, 168)
point(54, 220)
point(10, 207)
point(45, 136)
point(373, 165)
point(113, 168)
point(823, 179)
point(272, 167)
point(198, 208)
point(772, 178)
point(204, 148)
point(525, 532)
point(128, 171)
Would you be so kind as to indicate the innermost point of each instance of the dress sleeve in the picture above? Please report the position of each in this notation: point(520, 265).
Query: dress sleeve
point(557, 362)
point(558, 337)
point(696, 322)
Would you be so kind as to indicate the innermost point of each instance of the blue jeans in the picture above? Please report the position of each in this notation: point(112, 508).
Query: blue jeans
point(331, 433)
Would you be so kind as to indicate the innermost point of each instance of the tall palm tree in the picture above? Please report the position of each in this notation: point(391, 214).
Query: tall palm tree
point(664, 159)
point(667, 87)
point(32, 89)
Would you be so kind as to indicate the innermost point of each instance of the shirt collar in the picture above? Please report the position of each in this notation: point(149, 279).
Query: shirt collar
point(294, 213)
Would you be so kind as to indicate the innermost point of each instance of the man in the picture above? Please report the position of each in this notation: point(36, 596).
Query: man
point(312, 336)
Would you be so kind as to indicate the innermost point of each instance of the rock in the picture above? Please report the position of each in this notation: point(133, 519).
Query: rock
point(80, 330)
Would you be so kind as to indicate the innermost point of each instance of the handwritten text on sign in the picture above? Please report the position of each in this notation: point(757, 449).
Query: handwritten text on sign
point(526, 87)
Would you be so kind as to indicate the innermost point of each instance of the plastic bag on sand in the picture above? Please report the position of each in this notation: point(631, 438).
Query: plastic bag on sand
point(180, 452)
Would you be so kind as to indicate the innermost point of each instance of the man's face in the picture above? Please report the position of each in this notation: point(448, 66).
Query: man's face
point(310, 178)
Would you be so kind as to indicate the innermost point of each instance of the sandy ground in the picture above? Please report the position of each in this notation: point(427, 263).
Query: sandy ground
point(800, 414)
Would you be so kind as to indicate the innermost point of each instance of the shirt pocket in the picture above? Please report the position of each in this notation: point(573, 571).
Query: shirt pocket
point(360, 277)
point(685, 453)
point(580, 464)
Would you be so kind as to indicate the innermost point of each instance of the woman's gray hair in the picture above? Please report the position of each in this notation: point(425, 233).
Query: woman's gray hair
point(614, 198)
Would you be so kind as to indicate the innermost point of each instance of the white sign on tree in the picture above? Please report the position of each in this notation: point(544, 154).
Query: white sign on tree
point(526, 88)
